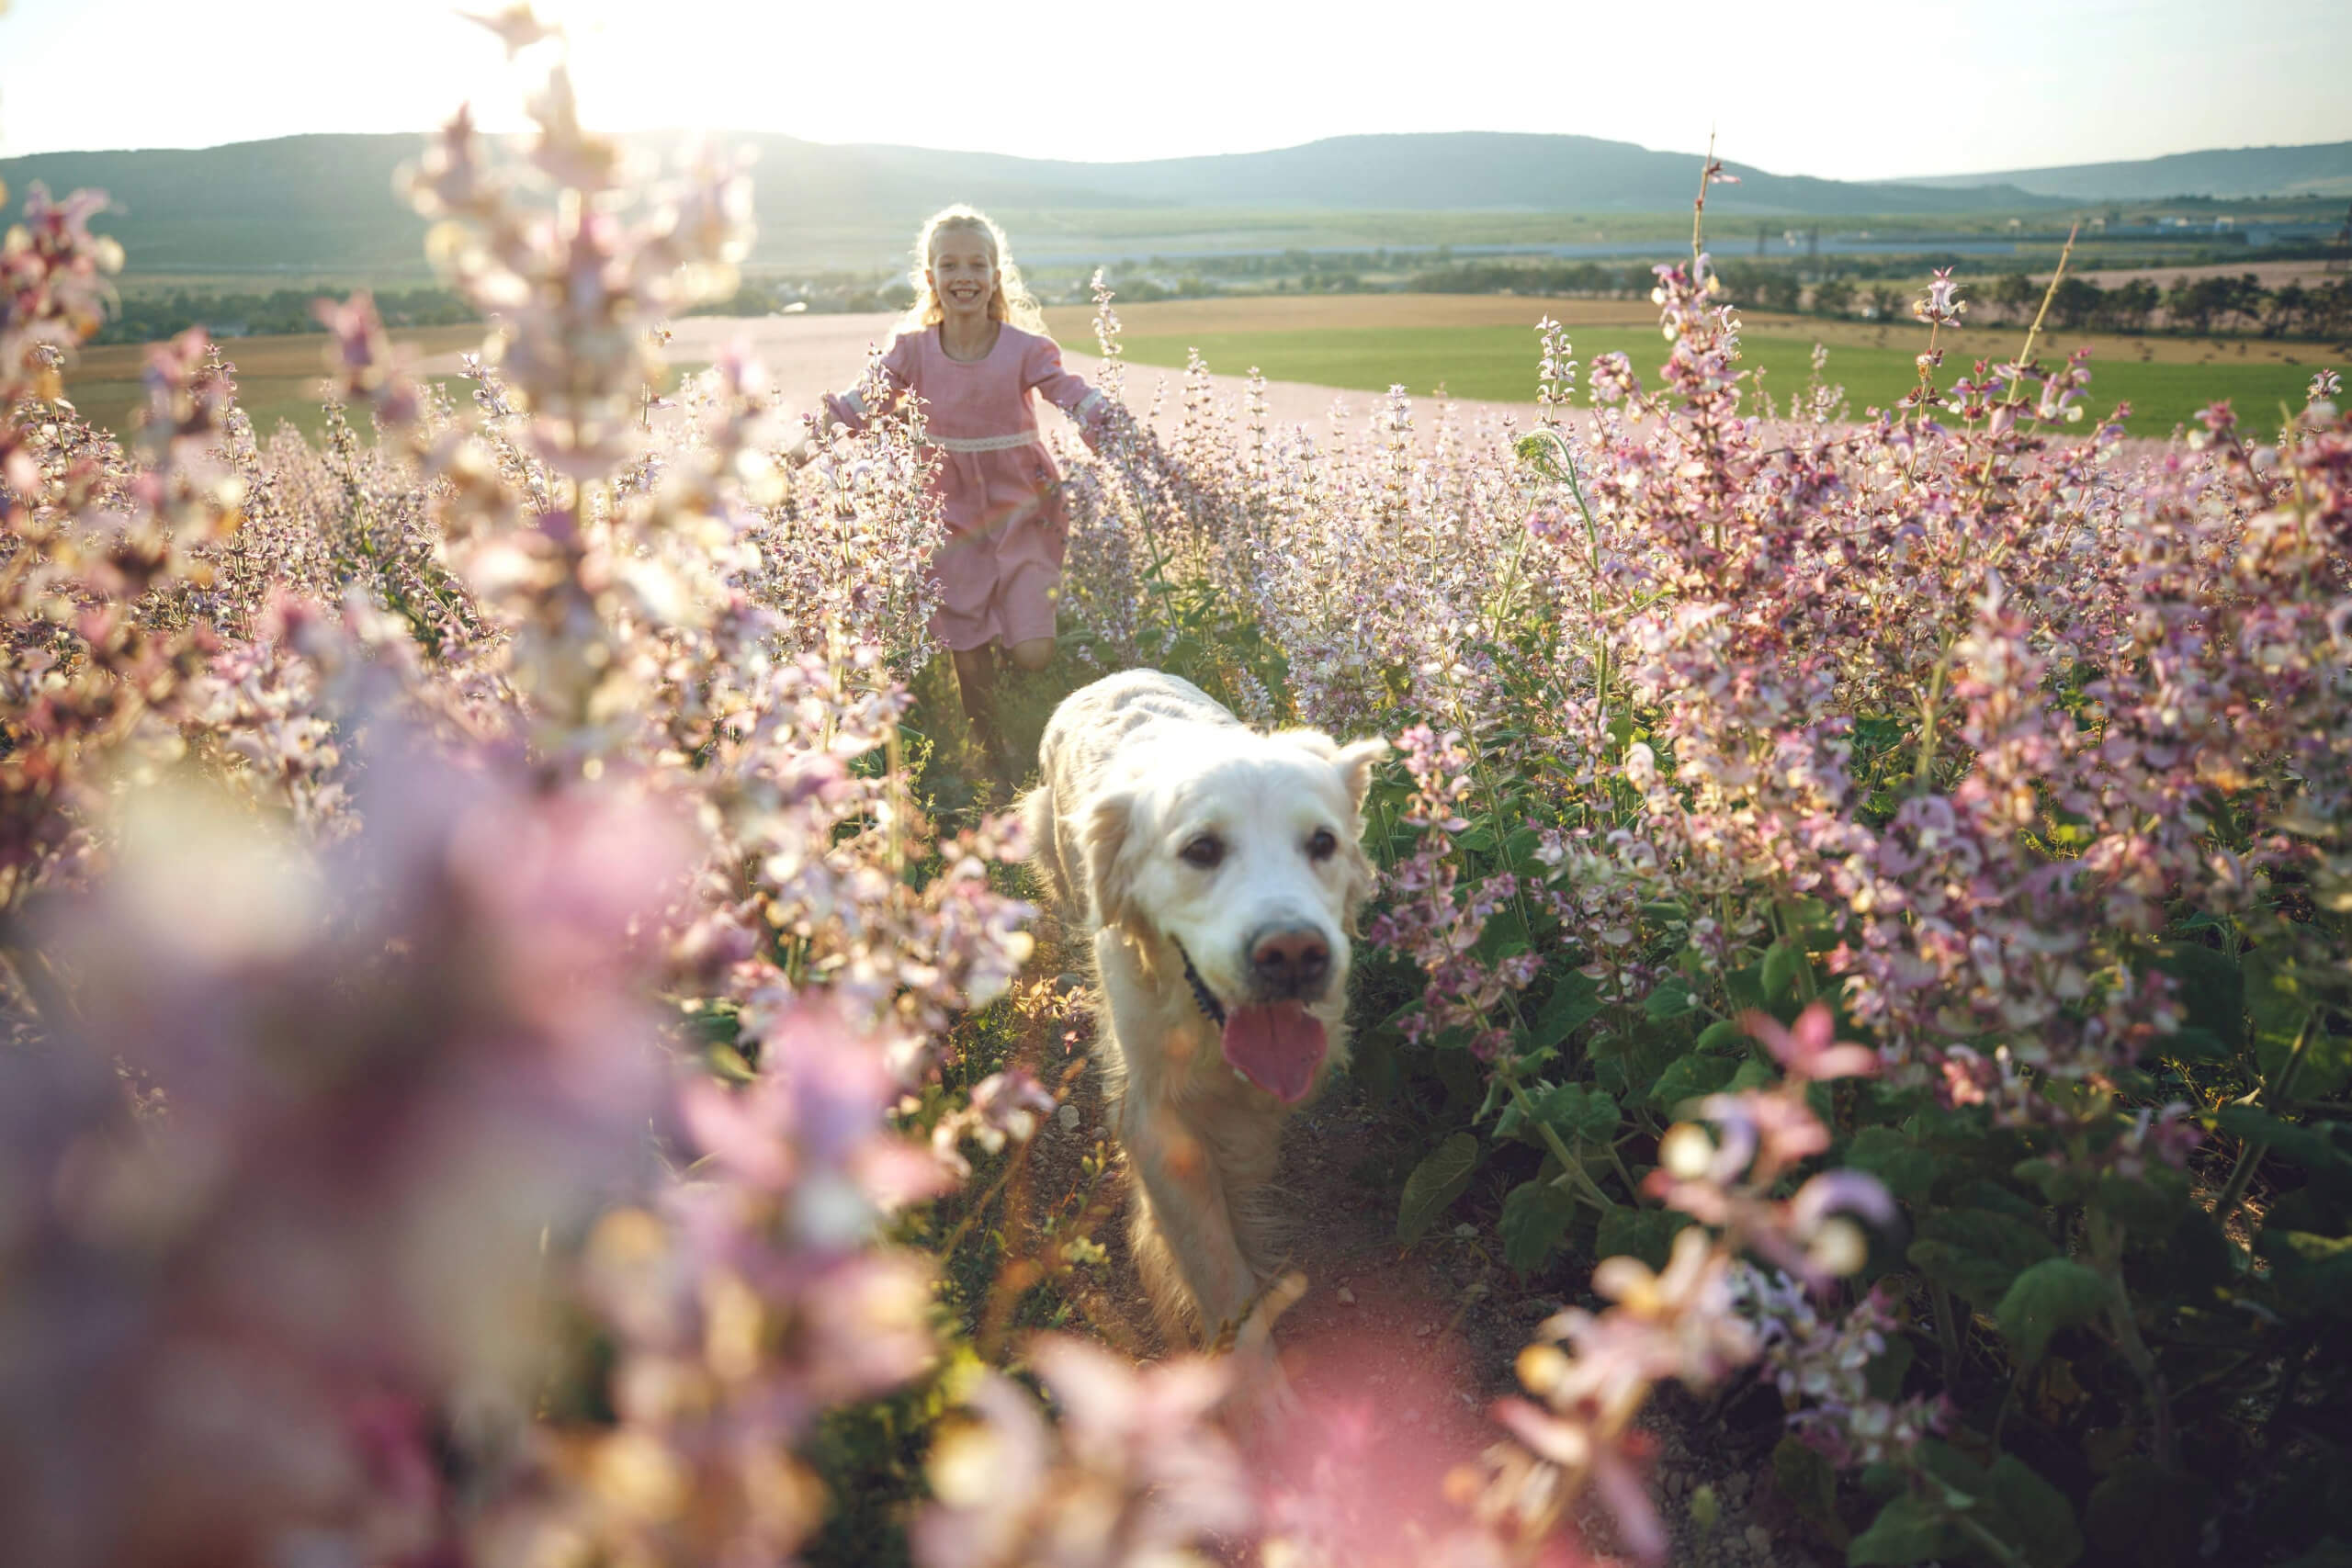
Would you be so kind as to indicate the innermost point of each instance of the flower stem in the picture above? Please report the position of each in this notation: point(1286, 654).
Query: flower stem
point(2270, 1093)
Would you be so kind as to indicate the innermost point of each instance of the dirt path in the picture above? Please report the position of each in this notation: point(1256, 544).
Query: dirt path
point(1396, 1356)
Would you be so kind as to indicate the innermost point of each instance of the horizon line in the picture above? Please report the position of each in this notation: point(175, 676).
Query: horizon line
point(1989, 176)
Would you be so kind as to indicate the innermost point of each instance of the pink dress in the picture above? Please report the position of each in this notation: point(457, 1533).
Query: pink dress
point(1007, 530)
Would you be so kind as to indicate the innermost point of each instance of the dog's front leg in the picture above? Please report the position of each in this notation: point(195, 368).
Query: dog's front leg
point(1184, 1227)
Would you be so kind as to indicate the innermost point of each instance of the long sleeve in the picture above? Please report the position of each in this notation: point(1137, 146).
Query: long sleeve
point(848, 406)
point(1042, 371)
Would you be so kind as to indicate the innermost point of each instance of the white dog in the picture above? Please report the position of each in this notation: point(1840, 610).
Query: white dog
point(1218, 873)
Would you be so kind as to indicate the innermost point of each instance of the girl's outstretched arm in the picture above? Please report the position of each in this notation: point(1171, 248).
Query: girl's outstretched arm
point(848, 407)
point(1087, 407)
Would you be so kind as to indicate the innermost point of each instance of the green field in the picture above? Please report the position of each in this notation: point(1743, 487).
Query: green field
point(1499, 364)
point(278, 380)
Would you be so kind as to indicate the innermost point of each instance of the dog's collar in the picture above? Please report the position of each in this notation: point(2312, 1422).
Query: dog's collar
point(1202, 995)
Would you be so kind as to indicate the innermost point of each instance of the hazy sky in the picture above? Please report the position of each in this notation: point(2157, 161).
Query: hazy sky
point(1845, 88)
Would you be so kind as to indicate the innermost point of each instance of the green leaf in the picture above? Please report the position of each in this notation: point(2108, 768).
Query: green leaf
point(725, 1061)
point(1581, 1112)
point(1954, 1470)
point(2061, 1186)
point(1575, 1000)
point(2275, 997)
point(2308, 1147)
point(1907, 1171)
point(1646, 1233)
point(1805, 913)
point(1743, 987)
point(1574, 1110)
point(1671, 1000)
point(1887, 1370)
point(2196, 1046)
point(1724, 1034)
point(1782, 964)
point(2054, 1294)
point(2141, 1514)
point(2028, 1510)
point(1689, 1077)
point(1505, 936)
point(2149, 1204)
point(2315, 1270)
point(1909, 1529)
point(1534, 1219)
point(1805, 1478)
point(2213, 988)
point(2279, 994)
point(1435, 1183)
point(1977, 1251)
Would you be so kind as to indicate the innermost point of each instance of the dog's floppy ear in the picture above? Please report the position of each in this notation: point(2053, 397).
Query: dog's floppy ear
point(1110, 869)
point(1355, 761)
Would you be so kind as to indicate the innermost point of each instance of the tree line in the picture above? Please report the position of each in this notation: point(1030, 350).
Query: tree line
point(2239, 304)
point(2218, 303)
point(150, 318)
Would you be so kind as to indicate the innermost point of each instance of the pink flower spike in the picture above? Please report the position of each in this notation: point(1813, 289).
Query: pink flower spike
point(1810, 1051)
point(1840, 1192)
point(1564, 1443)
point(1627, 1496)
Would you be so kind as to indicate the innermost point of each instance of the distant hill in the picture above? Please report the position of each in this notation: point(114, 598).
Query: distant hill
point(1454, 171)
point(2322, 168)
point(296, 204)
point(324, 204)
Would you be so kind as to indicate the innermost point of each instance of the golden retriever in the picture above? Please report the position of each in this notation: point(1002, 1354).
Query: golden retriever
point(1218, 873)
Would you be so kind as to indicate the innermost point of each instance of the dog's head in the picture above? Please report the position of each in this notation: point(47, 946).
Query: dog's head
point(1242, 852)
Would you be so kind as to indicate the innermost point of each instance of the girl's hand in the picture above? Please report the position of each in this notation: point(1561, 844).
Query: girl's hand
point(1105, 418)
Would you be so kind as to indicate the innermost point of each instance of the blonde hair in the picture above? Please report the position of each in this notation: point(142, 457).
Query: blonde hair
point(1012, 302)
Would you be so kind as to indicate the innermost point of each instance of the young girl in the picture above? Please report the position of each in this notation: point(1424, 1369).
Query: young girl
point(973, 348)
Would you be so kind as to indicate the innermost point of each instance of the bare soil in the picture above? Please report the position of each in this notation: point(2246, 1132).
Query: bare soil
point(1396, 1355)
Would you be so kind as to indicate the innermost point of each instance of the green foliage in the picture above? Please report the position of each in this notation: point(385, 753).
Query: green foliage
point(2029, 1512)
point(2021, 1262)
point(1807, 1482)
point(1646, 1233)
point(1435, 1183)
point(1907, 1171)
point(2070, 1290)
point(1978, 1253)
point(1534, 1220)
point(1577, 1112)
point(2055, 1293)
point(1907, 1530)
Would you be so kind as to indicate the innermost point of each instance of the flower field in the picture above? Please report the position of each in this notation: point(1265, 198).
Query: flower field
point(525, 1048)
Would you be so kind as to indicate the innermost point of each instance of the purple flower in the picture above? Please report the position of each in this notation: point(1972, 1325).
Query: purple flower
point(1808, 1051)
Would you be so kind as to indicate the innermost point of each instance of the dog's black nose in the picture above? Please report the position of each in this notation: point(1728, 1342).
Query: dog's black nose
point(1294, 962)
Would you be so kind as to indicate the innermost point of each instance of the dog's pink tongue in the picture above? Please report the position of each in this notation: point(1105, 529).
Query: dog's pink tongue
point(1277, 1047)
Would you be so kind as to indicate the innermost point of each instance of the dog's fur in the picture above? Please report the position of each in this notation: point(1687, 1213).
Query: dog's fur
point(1137, 769)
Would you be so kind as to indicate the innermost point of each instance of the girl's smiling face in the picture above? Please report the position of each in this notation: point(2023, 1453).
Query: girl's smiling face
point(962, 274)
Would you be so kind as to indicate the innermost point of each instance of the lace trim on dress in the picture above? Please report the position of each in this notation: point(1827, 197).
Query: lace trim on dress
point(985, 443)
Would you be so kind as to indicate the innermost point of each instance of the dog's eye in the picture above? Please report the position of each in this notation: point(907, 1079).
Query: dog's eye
point(1204, 852)
point(1323, 845)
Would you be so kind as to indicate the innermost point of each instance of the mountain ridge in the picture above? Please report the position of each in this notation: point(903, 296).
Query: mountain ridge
point(2310, 168)
point(324, 202)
